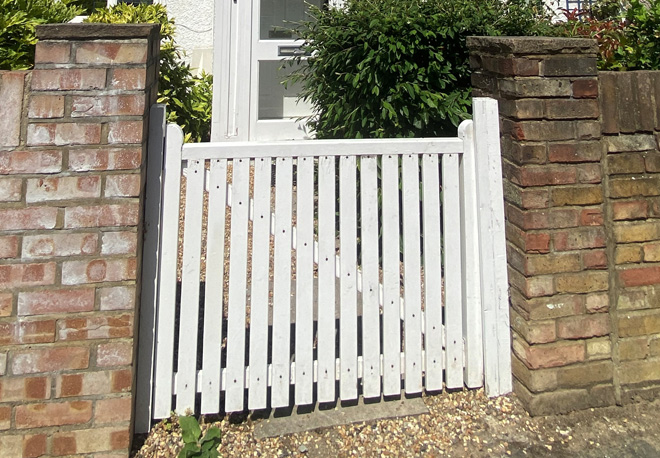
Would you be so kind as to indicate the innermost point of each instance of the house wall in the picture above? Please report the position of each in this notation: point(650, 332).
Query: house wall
point(72, 160)
point(194, 30)
point(580, 161)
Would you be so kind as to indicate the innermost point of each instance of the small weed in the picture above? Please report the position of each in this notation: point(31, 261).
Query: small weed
point(196, 445)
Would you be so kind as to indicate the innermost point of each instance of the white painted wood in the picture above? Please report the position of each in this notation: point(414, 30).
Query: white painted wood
point(490, 200)
point(348, 279)
point(472, 325)
point(237, 286)
point(369, 277)
point(150, 270)
point(412, 273)
point(214, 287)
point(304, 352)
point(433, 338)
point(224, 64)
point(451, 214)
point(327, 203)
point(391, 279)
point(259, 301)
point(190, 281)
point(304, 148)
point(281, 354)
point(168, 280)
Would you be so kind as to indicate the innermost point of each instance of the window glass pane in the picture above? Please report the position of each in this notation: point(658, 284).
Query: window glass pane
point(276, 101)
point(278, 16)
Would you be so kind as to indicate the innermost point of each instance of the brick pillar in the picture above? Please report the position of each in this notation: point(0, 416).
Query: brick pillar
point(72, 152)
point(547, 90)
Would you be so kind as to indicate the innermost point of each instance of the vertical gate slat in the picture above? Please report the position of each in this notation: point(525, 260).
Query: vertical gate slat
point(433, 338)
point(282, 285)
point(348, 279)
point(452, 271)
point(259, 302)
point(326, 279)
point(214, 288)
point(412, 279)
point(369, 251)
point(391, 280)
point(167, 288)
point(304, 281)
point(237, 285)
point(472, 322)
point(190, 281)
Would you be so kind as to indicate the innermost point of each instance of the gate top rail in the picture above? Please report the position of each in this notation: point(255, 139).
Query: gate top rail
point(307, 148)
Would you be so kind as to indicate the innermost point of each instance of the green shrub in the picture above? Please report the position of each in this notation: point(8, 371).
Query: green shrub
point(18, 20)
point(628, 34)
point(188, 97)
point(400, 68)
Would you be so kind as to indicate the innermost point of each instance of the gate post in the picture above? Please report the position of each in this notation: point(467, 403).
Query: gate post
point(71, 211)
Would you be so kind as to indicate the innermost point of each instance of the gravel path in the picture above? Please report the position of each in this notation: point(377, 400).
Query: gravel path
point(463, 423)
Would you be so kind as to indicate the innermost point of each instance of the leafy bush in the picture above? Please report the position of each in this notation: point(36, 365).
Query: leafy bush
point(188, 97)
point(400, 68)
point(196, 444)
point(628, 34)
point(18, 20)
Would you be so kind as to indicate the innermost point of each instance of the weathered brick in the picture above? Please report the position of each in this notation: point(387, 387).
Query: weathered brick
point(95, 327)
point(639, 324)
point(539, 380)
point(49, 245)
point(630, 143)
point(579, 239)
point(55, 301)
point(98, 270)
point(547, 308)
point(40, 134)
point(571, 108)
point(117, 298)
point(577, 195)
point(652, 162)
point(9, 246)
point(574, 152)
point(591, 217)
point(128, 79)
point(5, 417)
point(35, 445)
point(535, 87)
point(83, 160)
point(122, 380)
point(639, 298)
point(68, 79)
point(585, 88)
point(599, 349)
point(542, 219)
point(626, 254)
point(90, 383)
point(14, 162)
point(122, 185)
point(63, 188)
point(23, 275)
point(587, 130)
point(52, 52)
point(37, 360)
point(532, 286)
point(522, 108)
point(6, 300)
point(46, 106)
point(19, 389)
point(640, 276)
point(640, 371)
point(543, 176)
point(635, 348)
point(583, 326)
point(594, 259)
point(652, 252)
point(526, 198)
point(10, 189)
point(125, 132)
point(522, 153)
point(3, 363)
point(119, 243)
point(11, 445)
point(113, 410)
point(53, 414)
point(583, 282)
point(534, 331)
point(107, 105)
point(585, 375)
point(102, 216)
point(625, 163)
point(16, 219)
point(555, 354)
point(90, 441)
point(589, 173)
point(540, 130)
point(637, 232)
point(99, 52)
point(551, 263)
point(27, 332)
point(634, 209)
point(569, 66)
point(12, 85)
point(114, 354)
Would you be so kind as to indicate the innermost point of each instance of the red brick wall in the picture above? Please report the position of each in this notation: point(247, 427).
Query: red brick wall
point(72, 156)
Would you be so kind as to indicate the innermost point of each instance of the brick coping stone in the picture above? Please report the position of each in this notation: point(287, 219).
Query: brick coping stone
point(533, 45)
point(92, 31)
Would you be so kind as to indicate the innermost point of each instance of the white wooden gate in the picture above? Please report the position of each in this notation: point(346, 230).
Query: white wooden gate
point(337, 268)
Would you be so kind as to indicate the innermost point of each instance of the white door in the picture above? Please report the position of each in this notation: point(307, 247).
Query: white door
point(251, 44)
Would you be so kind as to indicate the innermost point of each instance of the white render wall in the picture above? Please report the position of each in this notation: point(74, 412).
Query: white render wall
point(194, 29)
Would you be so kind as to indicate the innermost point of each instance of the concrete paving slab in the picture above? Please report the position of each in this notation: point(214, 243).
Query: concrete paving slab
point(339, 415)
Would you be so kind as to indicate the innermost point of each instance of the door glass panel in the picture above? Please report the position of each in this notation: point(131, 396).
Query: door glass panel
point(278, 16)
point(275, 100)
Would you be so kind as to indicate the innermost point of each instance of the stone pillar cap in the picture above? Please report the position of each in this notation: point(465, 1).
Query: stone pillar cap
point(94, 31)
point(534, 45)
